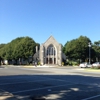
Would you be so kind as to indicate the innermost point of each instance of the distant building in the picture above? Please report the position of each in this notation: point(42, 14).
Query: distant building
point(50, 52)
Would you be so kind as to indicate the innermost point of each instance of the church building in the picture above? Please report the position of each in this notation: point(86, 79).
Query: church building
point(50, 52)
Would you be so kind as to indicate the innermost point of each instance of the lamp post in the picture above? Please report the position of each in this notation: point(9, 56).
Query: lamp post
point(89, 52)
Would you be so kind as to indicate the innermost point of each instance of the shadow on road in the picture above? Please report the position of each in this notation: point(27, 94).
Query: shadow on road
point(54, 87)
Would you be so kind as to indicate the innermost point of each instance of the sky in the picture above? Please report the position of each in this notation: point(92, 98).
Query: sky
point(39, 19)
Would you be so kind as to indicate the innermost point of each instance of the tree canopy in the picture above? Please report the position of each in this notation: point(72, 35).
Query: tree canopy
point(96, 48)
point(77, 48)
point(21, 47)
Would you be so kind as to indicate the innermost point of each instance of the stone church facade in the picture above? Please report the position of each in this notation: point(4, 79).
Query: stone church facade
point(50, 52)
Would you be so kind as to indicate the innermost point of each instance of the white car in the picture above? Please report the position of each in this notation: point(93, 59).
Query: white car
point(85, 64)
point(96, 64)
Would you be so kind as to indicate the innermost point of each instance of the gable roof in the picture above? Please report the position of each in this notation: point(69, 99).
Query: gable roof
point(50, 38)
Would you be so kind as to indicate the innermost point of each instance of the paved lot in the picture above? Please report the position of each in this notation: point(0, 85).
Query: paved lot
point(51, 83)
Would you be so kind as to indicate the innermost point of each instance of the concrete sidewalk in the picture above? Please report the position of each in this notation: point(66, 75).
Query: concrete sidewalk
point(40, 66)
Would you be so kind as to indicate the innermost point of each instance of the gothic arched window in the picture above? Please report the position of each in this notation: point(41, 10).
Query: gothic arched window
point(51, 50)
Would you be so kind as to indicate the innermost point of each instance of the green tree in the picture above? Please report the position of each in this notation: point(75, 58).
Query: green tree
point(96, 48)
point(77, 48)
point(0, 60)
point(24, 48)
point(2, 45)
point(1, 50)
point(21, 47)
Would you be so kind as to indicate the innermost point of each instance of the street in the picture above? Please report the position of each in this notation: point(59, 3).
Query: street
point(51, 83)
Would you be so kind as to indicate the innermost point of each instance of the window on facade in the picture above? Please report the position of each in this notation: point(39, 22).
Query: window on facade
point(47, 51)
point(44, 52)
point(54, 52)
point(51, 50)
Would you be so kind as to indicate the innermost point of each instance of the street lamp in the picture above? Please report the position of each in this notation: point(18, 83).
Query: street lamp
point(89, 52)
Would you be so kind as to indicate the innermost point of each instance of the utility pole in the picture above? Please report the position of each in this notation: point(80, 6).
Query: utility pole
point(89, 53)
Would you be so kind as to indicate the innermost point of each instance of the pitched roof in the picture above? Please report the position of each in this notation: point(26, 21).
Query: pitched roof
point(51, 37)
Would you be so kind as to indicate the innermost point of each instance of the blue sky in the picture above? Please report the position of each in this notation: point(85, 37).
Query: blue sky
point(39, 19)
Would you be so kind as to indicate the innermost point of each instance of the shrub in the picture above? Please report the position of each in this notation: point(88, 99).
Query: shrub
point(39, 63)
point(95, 67)
point(62, 63)
point(74, 63)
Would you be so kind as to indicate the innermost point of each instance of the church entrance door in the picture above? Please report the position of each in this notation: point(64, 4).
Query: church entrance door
point(50, 61)
point(54, 60)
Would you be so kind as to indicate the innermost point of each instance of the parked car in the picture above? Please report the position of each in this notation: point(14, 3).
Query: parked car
point(96, 64)
point(85, 64)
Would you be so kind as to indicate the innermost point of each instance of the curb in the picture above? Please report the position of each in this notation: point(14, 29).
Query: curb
point(29, 66)
point(37, 66)
point(92, 70)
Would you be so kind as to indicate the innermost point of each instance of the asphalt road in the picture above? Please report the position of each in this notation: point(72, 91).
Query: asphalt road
point(51, 83)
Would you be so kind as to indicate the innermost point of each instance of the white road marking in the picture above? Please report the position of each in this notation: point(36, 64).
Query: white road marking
point(41, 88)
point(91, 97)
point(47, 79)
point(70, 81)
point(26, 82)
